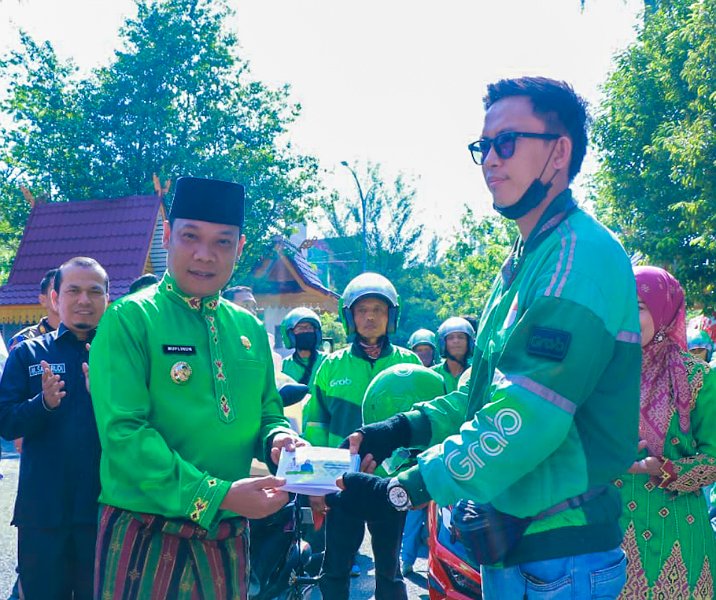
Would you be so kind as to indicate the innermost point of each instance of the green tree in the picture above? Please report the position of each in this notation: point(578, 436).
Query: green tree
point(471, 264)
point(332, 327)
point(176, 99)
point(393, 241)
point(13, 214)
point(391, 234)
point(656, 135)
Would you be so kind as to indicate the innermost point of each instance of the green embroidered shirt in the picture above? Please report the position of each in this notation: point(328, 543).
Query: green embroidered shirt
point(184, 395)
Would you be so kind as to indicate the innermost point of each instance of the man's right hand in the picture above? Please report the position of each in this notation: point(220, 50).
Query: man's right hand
point(379, 440)
point(52, 392)
point(255, 497)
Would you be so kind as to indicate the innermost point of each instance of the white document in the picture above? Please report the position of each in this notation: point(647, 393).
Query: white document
point(313, 470)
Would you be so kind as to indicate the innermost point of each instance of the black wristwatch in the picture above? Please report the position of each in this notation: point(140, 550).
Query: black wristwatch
point(398, 495)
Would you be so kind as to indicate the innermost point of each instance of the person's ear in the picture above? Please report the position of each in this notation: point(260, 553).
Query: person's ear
point(53, 300)
point(240, 247)
point(562, 154)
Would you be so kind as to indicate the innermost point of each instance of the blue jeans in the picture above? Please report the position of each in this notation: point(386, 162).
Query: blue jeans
point(413, 538)
point(598, 575)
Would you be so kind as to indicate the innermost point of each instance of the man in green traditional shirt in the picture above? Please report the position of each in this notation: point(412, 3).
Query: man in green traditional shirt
point(183, 390)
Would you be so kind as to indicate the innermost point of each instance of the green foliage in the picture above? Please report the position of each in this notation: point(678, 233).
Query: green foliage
point(391, 235)
point(13, 214)
point(419, 300)
point(431, 289)
point(470, 265)
point(175, 100)
point(656, 134)
point(393, 245)
point(332, 327)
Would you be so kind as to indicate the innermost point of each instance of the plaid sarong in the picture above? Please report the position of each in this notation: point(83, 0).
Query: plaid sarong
point(145, 557)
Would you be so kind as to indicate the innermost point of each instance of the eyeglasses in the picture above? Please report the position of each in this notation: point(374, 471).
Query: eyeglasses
point(504, 144)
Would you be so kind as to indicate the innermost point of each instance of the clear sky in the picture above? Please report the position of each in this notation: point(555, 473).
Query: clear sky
point(396, 82)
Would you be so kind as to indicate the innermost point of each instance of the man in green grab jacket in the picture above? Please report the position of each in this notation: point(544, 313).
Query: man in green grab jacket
point(553, 401)
point(369, 309)
point(456, 341)
point(183, 391)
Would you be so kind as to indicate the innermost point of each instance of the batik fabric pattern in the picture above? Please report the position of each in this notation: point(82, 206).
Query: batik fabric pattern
point(668, 539)
point(142, 556)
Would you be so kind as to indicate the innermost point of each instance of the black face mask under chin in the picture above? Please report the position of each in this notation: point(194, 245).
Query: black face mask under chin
point(306, 341)
point(531, 198)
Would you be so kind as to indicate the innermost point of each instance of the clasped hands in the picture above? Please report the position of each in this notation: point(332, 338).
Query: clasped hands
point(651, 465)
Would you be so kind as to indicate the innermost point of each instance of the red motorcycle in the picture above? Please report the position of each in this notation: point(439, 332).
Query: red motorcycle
point(451, 574)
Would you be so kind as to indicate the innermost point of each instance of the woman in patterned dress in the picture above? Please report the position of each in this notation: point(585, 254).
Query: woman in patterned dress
point(668, 539)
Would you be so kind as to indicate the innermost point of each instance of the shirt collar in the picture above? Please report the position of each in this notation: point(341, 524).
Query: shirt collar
point(557, 211)
point(357, 349)
point(64, 331)
point(562, 205)
point(208, 304)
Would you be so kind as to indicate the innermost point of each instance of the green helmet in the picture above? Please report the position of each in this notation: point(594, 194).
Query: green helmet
point(397, 388)
point(456, 325)
point(422, 336)
point(368, 285)
point(293, 318)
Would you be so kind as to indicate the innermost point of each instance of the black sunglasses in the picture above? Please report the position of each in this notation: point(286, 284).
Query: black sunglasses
point(504, 144)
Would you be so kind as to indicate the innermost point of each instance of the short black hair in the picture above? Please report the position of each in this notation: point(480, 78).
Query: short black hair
point(142, 282)
point(563, 110)
point(47, 280)
point(229, 293)
point(85, 262)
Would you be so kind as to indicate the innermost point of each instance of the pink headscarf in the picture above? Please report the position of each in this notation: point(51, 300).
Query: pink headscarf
point(664, 380)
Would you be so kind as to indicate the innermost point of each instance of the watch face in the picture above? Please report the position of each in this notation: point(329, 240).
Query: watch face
point(398, 496)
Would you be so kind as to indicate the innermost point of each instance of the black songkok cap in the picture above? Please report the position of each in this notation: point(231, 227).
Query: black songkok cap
point(209, 200)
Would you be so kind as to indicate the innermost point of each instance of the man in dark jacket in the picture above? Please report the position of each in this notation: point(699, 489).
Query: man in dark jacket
point(44, 399)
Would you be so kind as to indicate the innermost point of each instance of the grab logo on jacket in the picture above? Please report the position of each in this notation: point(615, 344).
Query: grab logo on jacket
point(337, 382)
point(507, 422)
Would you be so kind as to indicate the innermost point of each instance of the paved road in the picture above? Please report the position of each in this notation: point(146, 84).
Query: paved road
point(8, 535)
point(361, 587)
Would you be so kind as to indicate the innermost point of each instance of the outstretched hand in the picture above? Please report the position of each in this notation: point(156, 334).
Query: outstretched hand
point(379, 440)
point(52, 387)
point(353, 442)
point(363, 496)
point(85, 370)
point(255, 497)
point(285, 440)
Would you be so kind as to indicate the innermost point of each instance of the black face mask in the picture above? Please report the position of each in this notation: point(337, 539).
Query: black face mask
point(306, 340)
point(531, 198)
